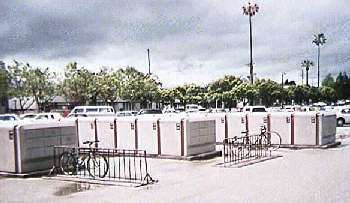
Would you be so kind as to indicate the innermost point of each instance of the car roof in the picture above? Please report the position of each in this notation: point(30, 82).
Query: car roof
point(93, 107)
point(9, 114)
point(254, 107)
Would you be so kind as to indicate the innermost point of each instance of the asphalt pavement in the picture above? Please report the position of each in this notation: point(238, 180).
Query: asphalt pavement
point(308, 175)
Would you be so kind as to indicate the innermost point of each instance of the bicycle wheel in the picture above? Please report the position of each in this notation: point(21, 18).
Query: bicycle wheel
point(97, 166)
point(68, 163)
point(275, 140)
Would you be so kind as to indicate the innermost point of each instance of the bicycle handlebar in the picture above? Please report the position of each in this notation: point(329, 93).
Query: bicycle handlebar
point(91, 142)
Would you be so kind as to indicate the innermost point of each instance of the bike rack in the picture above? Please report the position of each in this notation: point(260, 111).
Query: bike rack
point(238, 150)
point(116, 165)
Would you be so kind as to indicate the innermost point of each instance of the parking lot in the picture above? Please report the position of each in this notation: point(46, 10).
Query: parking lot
point(309, 175)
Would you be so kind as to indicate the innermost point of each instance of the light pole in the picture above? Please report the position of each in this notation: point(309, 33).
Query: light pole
point(306, 64)
point(319, 40)
point(302, 76)
point(283, 73)
point(250, 10)
point(149, 63)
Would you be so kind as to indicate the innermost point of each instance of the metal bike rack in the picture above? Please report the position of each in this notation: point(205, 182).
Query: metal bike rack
point(244, 149)
point(118, 165)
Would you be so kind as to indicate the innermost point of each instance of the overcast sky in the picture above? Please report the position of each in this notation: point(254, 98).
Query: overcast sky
point(190, 41)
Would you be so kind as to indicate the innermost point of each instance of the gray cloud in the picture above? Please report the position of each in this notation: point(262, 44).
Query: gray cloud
point(192, 41)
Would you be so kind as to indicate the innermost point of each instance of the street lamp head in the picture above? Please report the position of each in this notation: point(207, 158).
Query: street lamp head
point(250, 9)
point(307, 63)
point(320, 39)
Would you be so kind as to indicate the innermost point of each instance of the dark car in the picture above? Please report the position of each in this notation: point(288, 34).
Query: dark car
point(150, 111)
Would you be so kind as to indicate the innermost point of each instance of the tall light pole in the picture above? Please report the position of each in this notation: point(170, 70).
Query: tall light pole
point(283, 73)
point(302, 76)
point(307, 64)
point(149, 63)
point(250, 10)
point(319, 40)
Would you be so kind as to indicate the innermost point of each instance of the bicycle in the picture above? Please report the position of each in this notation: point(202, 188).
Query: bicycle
point(265, 138)
point(259, 141)
point(73, 161)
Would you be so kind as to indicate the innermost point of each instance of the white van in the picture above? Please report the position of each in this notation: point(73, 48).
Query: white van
point(85, 111)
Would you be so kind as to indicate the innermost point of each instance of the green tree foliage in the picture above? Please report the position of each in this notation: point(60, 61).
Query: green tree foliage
point(28, 84)
point(78, 84)
point(18, 85)
point(109, 84)
point(223, 90)
point(328, 94)
point(81, 86)
point(138, 87)
point(40, 85)
point(342, 86)
point(3, 89)
point(269, 91)
point(245, 92)
point(167, 96)
point(3, 84)
point(328, 81)
point(300, 94)
point(314, 94)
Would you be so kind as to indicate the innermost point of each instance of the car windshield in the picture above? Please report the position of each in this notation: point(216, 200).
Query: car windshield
point(29, 116)
point(78, 110)
point(259, 110)
point(151, 111)
point(42, 117)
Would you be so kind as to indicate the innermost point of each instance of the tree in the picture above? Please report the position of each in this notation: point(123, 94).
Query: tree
point(328, 81)
point(18, 84)
point(319, 40)
point(138, 87)
point(245, 92)
point(269, 91)
point(78, 85)
point(314, 94)
point(109, 84)
point(168, 96)
point(328, 94)
point(300, 94)
point(3, 89)
point(342, 86)
point(221, 90)
point(40, 84)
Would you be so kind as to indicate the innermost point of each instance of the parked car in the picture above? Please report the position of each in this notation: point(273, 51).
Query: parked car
point(190, 108)
point(9, 117)
point(48, 116)
point(27, 116)
point(149, 111)
point(307, 108)
point(327, 108)
point(216, 110)
point(92, 111)
point(254, 109)
point(343, 115)
point(124, 113)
